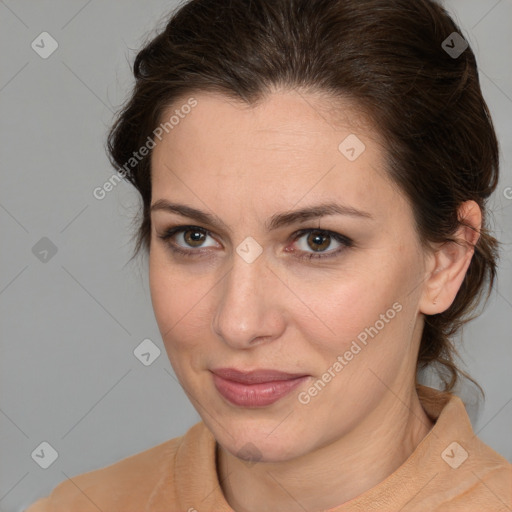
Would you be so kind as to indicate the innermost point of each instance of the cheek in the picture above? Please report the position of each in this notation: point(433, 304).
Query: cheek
point(361, 306)
point(169, 294)
point(180, 302)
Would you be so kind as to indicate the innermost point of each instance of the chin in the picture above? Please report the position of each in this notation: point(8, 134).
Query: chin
point(263, 440)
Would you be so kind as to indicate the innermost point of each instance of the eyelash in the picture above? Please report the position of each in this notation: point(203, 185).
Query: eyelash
point(345, 241)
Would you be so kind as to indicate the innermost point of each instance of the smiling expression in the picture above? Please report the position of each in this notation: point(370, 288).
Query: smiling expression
point(333, 247)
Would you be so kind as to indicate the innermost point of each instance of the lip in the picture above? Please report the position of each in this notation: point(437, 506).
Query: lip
point(256, 388)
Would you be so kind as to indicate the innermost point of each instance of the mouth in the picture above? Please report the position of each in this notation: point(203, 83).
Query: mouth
point(257, 388)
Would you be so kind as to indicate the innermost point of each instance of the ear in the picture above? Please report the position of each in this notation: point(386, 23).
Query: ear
point(450, 261)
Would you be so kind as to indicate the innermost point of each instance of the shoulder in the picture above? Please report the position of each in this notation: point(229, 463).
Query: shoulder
point(471, 476)
point(486, 477)
point(454, 470)
point(125, 485)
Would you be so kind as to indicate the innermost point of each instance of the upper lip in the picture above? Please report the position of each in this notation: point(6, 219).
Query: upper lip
point(255, 376)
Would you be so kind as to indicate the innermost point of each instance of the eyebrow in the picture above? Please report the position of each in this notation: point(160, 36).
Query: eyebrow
point(276, 221)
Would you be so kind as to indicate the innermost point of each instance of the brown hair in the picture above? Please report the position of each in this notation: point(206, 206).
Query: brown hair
point(388, 56)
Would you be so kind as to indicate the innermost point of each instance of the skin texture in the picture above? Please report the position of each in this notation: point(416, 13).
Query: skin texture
point(244, 164)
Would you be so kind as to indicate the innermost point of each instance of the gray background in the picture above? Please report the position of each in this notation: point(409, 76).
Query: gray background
point(69, 325)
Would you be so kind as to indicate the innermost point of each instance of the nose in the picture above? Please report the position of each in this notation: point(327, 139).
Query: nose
point(249, 310)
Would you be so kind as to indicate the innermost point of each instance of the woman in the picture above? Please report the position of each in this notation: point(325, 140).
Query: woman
point(314, 177)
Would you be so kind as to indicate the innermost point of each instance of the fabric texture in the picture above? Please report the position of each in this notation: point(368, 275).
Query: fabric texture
point(451, 470)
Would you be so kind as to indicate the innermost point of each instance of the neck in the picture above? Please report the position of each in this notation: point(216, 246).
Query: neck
point(334, 473)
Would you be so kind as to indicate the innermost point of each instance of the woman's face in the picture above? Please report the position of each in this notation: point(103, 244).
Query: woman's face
point(332, 298)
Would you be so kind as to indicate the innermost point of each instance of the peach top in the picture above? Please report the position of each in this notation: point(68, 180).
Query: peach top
point(450, 470)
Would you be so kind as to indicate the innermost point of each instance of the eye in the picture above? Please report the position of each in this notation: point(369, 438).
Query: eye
point(319, 241)
point(186, 239)
point(189, 240)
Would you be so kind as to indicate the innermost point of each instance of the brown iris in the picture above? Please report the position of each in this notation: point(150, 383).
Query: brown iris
point(193, 237)
point(315, 237)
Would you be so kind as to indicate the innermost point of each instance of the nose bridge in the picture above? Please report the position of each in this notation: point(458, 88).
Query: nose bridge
point(246, 307)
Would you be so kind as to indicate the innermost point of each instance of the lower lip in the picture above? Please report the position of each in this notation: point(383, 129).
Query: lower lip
point(255, 395)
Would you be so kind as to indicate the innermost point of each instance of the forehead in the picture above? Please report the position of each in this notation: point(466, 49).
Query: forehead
point(290, 147)
point(280, 118)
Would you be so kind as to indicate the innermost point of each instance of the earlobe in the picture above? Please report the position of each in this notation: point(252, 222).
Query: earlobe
point(451, 261)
